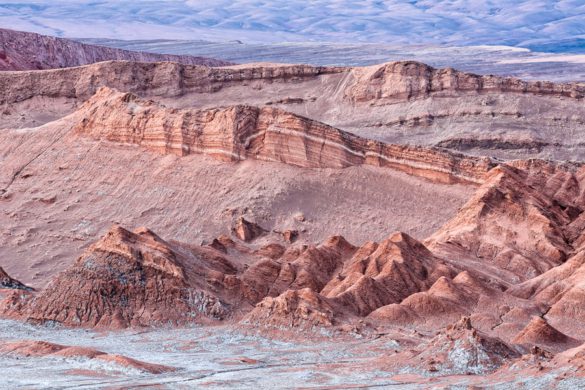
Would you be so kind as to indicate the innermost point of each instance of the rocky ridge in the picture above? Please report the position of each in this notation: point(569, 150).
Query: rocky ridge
point(509, 262)
point(29, 51)
point(270, 134)
point(401, 102)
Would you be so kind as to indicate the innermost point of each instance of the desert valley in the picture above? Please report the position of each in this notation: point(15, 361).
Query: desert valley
point(180, 222)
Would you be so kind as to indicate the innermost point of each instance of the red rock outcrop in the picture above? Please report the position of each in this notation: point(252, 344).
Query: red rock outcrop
point(516, 222)
point(29, 51)
point(124, 279)
point(385, 273)
point(382, 84)
point(540, 333)
point(409, 80)
point(269, 134)
point(246, 230)
point(297, 268)
point(162, 79)
point(561, 289)
point(443, 303)
point(303, 309)
point(32, 348)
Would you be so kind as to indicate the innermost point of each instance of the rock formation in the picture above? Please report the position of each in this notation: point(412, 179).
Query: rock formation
point(539, 332)
point(510, 261)
point(162, 79)
point(301, 309)
point(513, 224)
point(385, 273)
point(409, 80)
point(125, 279)
point(560, 289)
point(269, 134)
point(246, 230)
point(31, 348)
point(28, 51)
point(461, 349)
point(9, 283)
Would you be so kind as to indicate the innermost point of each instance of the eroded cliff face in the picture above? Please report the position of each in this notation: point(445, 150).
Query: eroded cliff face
point(389, 83)
point(399, 81)
point(29, 51)
point(270, 134)
point(400, 102)
point(163, 79)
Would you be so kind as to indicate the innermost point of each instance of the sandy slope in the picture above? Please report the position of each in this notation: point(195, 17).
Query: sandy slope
point(73, 189)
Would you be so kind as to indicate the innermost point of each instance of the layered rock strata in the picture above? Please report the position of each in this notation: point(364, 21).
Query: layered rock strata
point(409, 80)
point(269, 134)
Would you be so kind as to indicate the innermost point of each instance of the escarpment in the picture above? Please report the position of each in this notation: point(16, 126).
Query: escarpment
point(400, 102)
point(392, 82)
point(163, 79)
point(409, 80)
point(263, 133)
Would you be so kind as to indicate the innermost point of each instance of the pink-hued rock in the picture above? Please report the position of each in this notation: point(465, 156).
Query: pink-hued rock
point(29, 51)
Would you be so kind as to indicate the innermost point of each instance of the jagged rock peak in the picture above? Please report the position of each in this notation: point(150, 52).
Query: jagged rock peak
point(124, 279)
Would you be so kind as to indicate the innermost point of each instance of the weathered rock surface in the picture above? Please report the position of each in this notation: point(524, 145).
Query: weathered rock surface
point(516, 223)
point(10, 283)
point(560, 289)
point(410, 80)
point(540, 333)
point(446, 301)
point(461, 349)
point(30, 348)
point(385, 273)
point(29, 51)
point(269, 134)
point(401, 102)
point(125, 279)
point(302, 309)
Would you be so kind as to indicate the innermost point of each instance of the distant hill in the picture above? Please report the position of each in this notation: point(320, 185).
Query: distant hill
point(29, 51)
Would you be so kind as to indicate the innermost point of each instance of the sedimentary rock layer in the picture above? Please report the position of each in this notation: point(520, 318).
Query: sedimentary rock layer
point(271, 134)
point(170, 79)
point(408, 80)
point(380, 84)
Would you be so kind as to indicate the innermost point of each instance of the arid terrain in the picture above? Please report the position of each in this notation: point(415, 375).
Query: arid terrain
point(289, 226)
